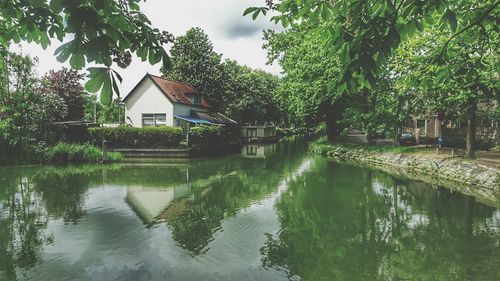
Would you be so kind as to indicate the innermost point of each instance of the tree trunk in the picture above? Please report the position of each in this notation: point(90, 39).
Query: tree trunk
point(332, 128)
point(470, 139)
point(369, 137)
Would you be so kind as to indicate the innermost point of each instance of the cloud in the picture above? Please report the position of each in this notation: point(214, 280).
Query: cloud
point(242, 30)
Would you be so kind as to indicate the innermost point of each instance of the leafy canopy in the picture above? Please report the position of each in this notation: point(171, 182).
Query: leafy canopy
point(98, 31)
point(364, 34)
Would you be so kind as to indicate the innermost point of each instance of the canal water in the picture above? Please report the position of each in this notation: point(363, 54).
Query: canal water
point(270, 213)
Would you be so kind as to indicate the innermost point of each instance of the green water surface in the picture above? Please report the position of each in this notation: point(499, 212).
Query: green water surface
point(270, 213)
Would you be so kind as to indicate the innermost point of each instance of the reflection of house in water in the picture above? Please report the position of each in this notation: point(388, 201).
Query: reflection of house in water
point(258, 151)
point(155, 205)
point(149, 203)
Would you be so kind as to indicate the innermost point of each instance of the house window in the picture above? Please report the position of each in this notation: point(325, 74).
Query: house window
point(154, 120)
point(196, 99)
point(422, 124)
point(251, 132)
point(251, 150)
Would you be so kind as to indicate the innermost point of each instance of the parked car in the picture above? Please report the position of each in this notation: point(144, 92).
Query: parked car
point(406, 139)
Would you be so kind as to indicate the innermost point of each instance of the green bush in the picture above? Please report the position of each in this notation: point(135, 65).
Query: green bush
point(114, 157)
point(496, 148)
point(454, 142)
point(209, 135)
point(485, 144)
point(428, 141)
point(64, 153)
point(127, 137)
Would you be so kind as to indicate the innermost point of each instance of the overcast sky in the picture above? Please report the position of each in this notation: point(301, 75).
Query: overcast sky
point(233, 35)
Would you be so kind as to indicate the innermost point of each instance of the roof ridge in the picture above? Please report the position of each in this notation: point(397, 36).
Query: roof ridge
point(184, 83)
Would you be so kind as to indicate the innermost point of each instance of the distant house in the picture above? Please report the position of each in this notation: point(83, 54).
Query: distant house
point(156, 101)
point(434, 127)
point(257, 133)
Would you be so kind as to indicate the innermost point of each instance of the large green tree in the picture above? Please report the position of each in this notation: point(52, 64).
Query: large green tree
point(195, 62)
point(94, 31)
point(249, 94)
point(454, 83)
point(306, 90)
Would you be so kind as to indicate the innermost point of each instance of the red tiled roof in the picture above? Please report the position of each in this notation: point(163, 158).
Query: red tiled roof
point(177, 92)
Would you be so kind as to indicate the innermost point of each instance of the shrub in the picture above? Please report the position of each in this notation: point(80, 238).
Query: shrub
point(485, 144)
point(496, 148)
point(114, 157)
point(454, 142)
point(428, 141)
point(64, 153)
point(73, 153)
point(123, 137)
point(208, 135)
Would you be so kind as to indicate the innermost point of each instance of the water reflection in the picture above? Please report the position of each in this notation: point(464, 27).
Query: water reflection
point(282, 216)
point(347, 223)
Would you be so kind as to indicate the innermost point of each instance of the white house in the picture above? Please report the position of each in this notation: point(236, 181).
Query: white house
point(156, 101)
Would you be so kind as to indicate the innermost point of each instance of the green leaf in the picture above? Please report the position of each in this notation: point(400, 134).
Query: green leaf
point(77, 61)
point(97, 76)
point(255, 14)
point(56, 6)
point(106, 93)
point(250, 10)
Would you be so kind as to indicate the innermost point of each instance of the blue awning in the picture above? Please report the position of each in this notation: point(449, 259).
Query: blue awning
point(194, 120)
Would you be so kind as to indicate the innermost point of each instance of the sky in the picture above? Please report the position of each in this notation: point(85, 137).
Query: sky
point(234, 36)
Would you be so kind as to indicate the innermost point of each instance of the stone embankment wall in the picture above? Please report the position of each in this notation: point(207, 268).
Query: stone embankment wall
point(467, 177)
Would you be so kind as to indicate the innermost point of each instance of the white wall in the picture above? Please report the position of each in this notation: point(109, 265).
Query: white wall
point(147, 99)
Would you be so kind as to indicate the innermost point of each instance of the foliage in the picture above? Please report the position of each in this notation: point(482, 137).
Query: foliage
point(64, 153)
point(372, 64)
point(66, 83)
point(364, 34)
point(104, 113)
point(114, 157)
point(149, 137)
point(97, 31)
point(211, 135)
point(195, 62)
point(244, 94)
point(26, 112)
point(304, 93)
point(249, 94)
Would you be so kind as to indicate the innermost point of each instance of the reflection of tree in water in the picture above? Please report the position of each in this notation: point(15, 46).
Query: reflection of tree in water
point(63, 194)
point(23, 220)
point(359, 225)
point(249, 180)
point(27, 200)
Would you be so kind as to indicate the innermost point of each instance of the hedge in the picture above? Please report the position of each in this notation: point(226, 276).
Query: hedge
point(458, 142)
point(127, 137)
point(208, 135)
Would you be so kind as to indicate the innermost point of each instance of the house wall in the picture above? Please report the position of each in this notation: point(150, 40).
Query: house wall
point(261, 131)
point(147, 99)
point(481, 133)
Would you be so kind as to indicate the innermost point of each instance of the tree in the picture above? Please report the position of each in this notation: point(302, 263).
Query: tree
point(65, 83)
point(195, 62)
point(26, 113)
point(249, 94)
point(364, 34)
point(455, 85)
point(306, 90)
point(100, 32)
